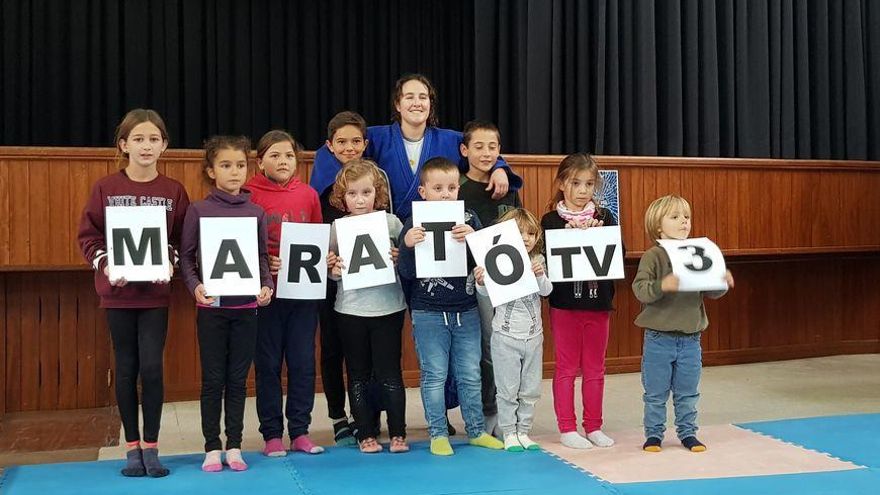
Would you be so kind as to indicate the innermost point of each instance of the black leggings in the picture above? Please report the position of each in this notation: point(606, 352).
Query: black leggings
point(138, 343)
point(331, 355)
point(372, 351)
point(227, 340)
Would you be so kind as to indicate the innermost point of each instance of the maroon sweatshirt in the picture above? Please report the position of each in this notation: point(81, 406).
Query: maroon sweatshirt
point(221, 204)
point(119, 190)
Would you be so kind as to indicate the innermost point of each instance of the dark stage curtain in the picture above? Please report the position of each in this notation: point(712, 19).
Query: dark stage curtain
point(756, 78)
point(70, 70)
point(749, 78)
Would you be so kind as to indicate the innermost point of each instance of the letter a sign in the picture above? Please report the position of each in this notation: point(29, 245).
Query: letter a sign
point(230, 260)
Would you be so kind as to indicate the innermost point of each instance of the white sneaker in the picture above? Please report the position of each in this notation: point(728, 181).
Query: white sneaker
point(600, 439)
point(574, 440)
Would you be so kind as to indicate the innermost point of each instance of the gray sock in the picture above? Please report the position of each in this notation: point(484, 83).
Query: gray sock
point(151, 462)
point(134, 465)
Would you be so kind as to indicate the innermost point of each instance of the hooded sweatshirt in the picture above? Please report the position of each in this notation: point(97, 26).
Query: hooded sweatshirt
point(294, 202)
point(221, 204)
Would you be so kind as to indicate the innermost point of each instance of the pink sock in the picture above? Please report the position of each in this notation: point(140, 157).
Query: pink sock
point(304, 444)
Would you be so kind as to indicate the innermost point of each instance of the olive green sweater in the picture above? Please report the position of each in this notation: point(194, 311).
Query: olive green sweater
point(667, 311)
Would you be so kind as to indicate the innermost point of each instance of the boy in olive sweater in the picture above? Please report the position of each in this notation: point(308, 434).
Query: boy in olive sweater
point(673, 322)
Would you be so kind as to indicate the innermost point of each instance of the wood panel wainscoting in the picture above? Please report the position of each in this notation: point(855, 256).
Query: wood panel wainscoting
point(801, 236)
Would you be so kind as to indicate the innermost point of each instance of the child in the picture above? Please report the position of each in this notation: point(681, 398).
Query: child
point(518, 343)
point(286, 327)
point(370, 319)
point(481, 145)
point(673, 322)
point(446, 324)
point(579, 311)
point(346, 141)
point(227, 325)
point(137, 312)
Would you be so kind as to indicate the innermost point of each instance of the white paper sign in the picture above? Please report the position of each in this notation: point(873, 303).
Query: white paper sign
point(137, 243)
point(595, 253)
point(500, 250)
point(697, 262)
point(439, 256)
point(303, 253)
point(365, 246)
point(230, 260)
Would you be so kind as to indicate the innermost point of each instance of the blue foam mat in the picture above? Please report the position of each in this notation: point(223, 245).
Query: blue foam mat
point(854, 482)
point(471, 470)
point(853, 438)
point(265, 476)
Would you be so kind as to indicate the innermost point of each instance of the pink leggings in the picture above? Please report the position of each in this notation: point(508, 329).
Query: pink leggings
point(581, 339)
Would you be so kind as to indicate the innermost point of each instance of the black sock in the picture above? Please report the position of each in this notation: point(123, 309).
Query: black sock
point(134, 465)
point(691, 443)
point(652, 444)
point(151, 462)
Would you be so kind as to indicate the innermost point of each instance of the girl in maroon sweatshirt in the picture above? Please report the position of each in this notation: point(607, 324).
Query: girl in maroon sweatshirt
point(227, 325)
point(137, 312)
point(286, 330)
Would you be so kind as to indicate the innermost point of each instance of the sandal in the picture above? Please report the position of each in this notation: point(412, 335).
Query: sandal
point(370, 446)
point(398, 445)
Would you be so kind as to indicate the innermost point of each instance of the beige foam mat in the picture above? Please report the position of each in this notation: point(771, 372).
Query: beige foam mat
point(732, 451)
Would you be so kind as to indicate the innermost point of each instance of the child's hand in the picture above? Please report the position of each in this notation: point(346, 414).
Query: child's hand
point(729, 278)
point(331, 260)
point(479, 275)
point(669, 283)
point(460, 231)
point(414, 236)
point(119, 282)
point(264, 297)
point(584, 224)
point(498, 181)
point(337, 268)
point(395, 253)
point(274, 264)
point(170, 276)
point(538, 269)
point(202, 297)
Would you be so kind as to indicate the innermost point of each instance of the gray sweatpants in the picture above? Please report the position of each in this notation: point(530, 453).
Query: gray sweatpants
point(518, 369)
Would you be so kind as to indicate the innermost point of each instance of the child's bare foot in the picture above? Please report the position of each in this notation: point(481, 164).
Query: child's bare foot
point(370, 446)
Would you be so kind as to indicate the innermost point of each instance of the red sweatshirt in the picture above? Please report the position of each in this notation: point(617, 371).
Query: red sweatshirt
point(119, 190)
point(295, 202)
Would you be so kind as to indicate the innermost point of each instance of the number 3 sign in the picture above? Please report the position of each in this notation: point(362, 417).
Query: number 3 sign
point(698, 264)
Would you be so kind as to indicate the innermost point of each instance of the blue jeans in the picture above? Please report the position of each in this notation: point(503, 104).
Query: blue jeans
point(444, 340)
point(671, 362)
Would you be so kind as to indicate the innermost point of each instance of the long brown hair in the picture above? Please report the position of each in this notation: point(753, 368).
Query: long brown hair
point(131, 120)
point(568, 168)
